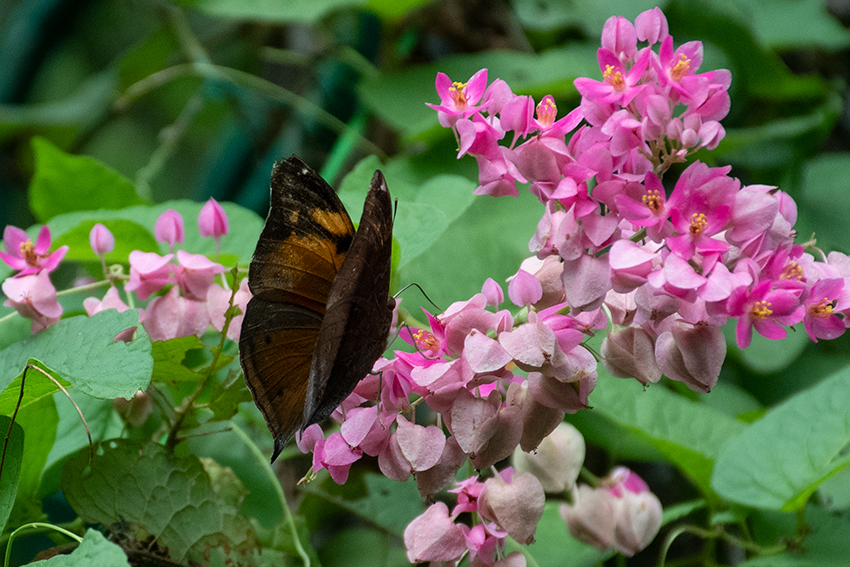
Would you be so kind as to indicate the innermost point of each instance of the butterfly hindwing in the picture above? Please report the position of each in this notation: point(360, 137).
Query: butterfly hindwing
point(359, 309)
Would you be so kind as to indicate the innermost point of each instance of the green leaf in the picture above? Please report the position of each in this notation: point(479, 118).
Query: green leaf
point(237, 245)
point(11, 468)
point(826, 546)
point(590, 16)
point(424, 212)
point(82, 350)
point(766, 355)
point(93, 550)
point(781, 459)
point(822, 190)
point(168, 357)
point(148, 491)
point(227, 395)
point(689, 434)
point(795, 24)
point(64, 182)
point(39, 421)
point(36, 388)
point(273, 11)
point(377, 501)
point(361, 547)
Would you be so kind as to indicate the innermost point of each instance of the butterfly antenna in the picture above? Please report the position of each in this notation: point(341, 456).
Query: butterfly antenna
point(416, 285)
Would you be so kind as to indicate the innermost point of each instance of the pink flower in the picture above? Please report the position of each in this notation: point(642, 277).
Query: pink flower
point(212, 220)
point(101, 240)
point(764, 308)
point(34, 297)
point(149, 273)
point(218, 301)
point(433, 536)
point(458, 100)
point(112, 300)
point(170, 316)
point(618, 85)
point(524, 289)
point(651, 26)
point(21, 254)
point(169, 228)
point(195, 274)
point(824, 301)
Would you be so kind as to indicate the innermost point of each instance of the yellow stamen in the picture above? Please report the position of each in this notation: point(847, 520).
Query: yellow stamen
point(547, 111)
point(458, 94)
point(822, 310)
point(761, 310)
point(425, 340)
point(653, 200)
point(614, 78)
point(792, 271)
point(28, 253)
point(698, 223)
point(681, 68)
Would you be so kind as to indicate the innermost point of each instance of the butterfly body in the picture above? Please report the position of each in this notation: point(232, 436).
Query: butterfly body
point(320, 310)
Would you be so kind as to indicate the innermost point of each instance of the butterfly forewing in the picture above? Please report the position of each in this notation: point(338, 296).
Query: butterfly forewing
point(304, 241)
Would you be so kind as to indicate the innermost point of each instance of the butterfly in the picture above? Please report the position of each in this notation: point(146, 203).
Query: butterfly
point(320, 310)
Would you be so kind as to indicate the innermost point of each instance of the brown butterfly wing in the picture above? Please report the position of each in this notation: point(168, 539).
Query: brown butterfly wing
point(300, 251)
point(359, 310)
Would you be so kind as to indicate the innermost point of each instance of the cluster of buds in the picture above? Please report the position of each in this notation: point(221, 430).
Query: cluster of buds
point(193, 304)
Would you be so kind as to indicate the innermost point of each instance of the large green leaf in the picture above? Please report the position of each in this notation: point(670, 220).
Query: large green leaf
point(11, 468)
point(794, 24)
point(146, 491)
point(424, 212)
point(781, 459)
point(83, 351)
point(64, 182)
point(39, 421)
point(689, 434)
point(93, 550)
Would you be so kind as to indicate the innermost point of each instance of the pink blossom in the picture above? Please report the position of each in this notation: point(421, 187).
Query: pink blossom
point(34, 297)
point(212, 220)
point(169, 228)
point(112, 300)
point(21, 254)
point(651, 26)
point(618, 85)
point(101, 240)
point(195, 274)
point(149, 273)
point(514, 503)
point(172, 315)
point(433, 536)
point(524, 289)
point(825, 299)
point(764, 308)
point(458, 100)
point(619, 37)
point(218, 301)
point(335, 455)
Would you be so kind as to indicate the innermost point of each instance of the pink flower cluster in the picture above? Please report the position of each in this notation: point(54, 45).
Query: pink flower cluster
point(509, 503)
point(194, 302)
point(668, 267)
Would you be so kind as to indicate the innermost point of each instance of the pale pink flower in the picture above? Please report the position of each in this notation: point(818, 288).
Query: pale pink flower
point(21, 254)
point(149, 273)
point(212, 220)
point(169, 228)
point(34, 297)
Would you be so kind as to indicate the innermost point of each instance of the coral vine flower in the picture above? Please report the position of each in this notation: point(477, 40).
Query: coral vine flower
point(618, 85)
point(21, 254)
point(764, 308)
point(34, 297)
point(458, 100)
point(821, 320)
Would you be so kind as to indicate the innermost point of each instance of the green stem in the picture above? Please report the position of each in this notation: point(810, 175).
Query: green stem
point(30, 526)
point(288, 518)
point(79, 288)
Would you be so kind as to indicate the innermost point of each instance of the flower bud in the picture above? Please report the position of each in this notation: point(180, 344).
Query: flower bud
point(629, 353)
point(212, 220)
point(101, 240)
point(637, 512)
point(692, 354)
point(169, 227)
point(433, 536)
point(515, 502)
point(557, 460)
point(524, 289)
